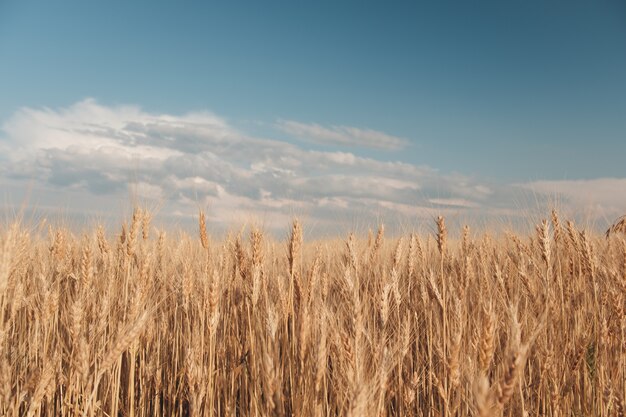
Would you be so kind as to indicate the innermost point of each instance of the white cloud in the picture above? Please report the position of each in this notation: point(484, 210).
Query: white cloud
point(597, 198)
point(341, 135)
point(91, 155)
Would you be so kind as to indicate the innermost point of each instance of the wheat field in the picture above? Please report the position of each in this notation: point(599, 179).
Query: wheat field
point(139, 323)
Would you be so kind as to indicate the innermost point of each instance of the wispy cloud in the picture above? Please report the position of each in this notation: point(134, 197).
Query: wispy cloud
point(341, 135)
point(453, 202)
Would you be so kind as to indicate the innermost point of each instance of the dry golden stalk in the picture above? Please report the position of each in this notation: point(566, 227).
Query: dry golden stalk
point(241, 258)
point(397, 254)
point(588, 258)
point(322, 354)
point(412, 258)
point(80, 346)
point(270, 365)
point(518, 353)
point(145, 225)
point(86, 265)
point(485, 405)
point(406, 337)
point(133, 232)
point(487, 341)
point(294, 249)
point(127, 336)
point(435, 289)
point(214, 299)
point(204, 239)
point(58, 245)
point(442, 235)
point(5, 379)
point(465, 242)
point(468, 273)
point(352, 257)
point(543, 236)
point(161, 245)
point(7, 256)
point(46, 378)
point(620, 406)
point(324, 285)
point(384, 302)
point(360, 402)
point(618, 226)
point(556, 224)
point(514, 369)
point(573, 234)
point(143, 285)
point(623, 244)
point(303, 334)
point(256, 240)
point(395, 286)
point(453, 360)
point(378, 242)
point(122, 237)
point(314, 273)
point(103, 245)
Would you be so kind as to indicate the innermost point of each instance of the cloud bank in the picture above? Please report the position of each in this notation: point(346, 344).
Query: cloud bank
point(95, 152)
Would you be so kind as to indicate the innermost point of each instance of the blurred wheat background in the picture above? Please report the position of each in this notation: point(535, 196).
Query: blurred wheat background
point(144, 324)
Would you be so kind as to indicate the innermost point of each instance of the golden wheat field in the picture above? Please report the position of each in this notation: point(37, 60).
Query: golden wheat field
point(140, 323)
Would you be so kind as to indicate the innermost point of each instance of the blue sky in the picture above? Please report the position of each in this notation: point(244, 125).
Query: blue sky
point(496, 93)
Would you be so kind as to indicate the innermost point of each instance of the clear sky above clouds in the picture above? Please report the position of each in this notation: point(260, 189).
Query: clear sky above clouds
point(381, 108)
